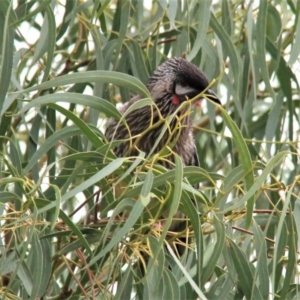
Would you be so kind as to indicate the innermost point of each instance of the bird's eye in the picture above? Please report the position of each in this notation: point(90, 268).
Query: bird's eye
point(183, 83)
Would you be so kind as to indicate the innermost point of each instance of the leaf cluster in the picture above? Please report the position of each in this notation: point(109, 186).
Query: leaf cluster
point(79, 223)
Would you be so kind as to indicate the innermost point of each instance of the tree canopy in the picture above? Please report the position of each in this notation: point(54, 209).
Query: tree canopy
point(79, 223)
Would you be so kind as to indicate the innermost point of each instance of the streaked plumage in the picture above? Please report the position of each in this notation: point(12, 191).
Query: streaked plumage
point(172, 83)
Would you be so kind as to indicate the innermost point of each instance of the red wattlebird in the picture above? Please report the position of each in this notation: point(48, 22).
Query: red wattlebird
point(174, 82)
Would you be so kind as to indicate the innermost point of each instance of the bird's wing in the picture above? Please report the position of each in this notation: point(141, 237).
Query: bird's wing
point(194, 161)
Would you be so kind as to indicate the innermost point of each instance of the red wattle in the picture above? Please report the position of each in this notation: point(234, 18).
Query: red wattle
point(198, 103)
point(175, 99)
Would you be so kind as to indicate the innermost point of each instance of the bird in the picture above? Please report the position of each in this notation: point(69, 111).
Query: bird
point(174, 81)
point(172, 84)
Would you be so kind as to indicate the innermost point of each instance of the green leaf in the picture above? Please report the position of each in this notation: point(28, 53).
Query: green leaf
point(245, 274)
point(97, 103)
point(135, 213)
point(154, 287)
point(259, 181)
point(203, 22)
point(49, 143)
point(107, 170)
point(37, 266)
point(175, 198)
point(7, 34)
point(262, 273)
point(245, 159)
point(186, 274)
point(216, 251)
point(116, 78)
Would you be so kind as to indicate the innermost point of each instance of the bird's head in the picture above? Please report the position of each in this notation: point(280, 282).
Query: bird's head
point(177, 80)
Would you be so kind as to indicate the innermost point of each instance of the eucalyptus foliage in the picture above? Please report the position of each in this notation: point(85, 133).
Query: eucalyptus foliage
point(79, 223)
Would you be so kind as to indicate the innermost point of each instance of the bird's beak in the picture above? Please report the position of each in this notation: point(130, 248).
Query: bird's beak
point(213, 97)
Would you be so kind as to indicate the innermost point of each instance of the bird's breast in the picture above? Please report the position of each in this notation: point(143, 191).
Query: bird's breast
point(153, 126)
